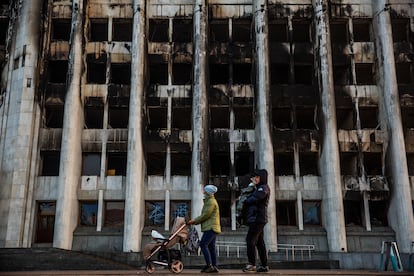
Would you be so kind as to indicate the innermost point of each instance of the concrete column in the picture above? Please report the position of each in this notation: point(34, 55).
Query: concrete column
point(400, 214)
point(263, 137)
point(332, 206)
point(134, 192)
point(19, 114)
point(71, 150)
point(200, 153)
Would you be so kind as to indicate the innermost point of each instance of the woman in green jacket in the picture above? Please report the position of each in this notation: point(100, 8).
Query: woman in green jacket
point(210, 226)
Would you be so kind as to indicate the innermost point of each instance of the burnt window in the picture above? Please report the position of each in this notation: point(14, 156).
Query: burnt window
point(279, 73)
point(50, 163)
point(284, 163)
point(219, 117)
point(353, 212)
point(242, 73)
point(400, 30)
point(312, 213)
point(4, 23)
point(57, 71)
point(410, 162)
point(368, 117)
point(91, 163)
point(373, 163)
point(180, 163)
point(303, 74)
point(378, 213)
point(243, 162)
point(362, 31)
point(94, 110)
point(182, 30)
point(404, 72)
point(88, 213)
point(348, 161)
point(98, 30)
point(121, 73)
point(339, 33)
point(96, 69)
point(219, 163)
point(364, 73)
point(122, 29)
point(157, 118)
point(282, 117)
point(117, 163)
point(243, 117)
point(305, 118)
point(158, 70)
point(286, 212)
point(54, 116)
point(219, 31)
point(181, 118)
point(118, 116)
point(407, 114)
point(308, 163)
point(182, 73)
point(158, 30)
point(114, 213)
point(155, 163)
point(241, 30)
point(278, 32)
point(345, 118)
point(61, 29)
point(342, 74)
point(301, 31)
point(219, 73)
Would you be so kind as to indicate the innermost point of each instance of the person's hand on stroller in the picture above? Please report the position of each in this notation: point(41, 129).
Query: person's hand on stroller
point(190, 222)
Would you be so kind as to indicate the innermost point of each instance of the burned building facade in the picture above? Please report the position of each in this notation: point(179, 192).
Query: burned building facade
point(115, 114)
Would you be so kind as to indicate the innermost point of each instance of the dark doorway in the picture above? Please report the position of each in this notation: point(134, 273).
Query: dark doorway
point(45, 222)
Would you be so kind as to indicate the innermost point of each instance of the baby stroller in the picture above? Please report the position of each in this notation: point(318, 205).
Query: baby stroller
point(160, 252)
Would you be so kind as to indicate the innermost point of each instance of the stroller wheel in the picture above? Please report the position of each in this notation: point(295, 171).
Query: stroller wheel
point(176, 266)
point(150, 268)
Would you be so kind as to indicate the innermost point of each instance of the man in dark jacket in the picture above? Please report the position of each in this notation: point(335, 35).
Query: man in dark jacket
point(256, 220)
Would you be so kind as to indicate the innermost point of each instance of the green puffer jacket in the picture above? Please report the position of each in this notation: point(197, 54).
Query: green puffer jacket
point(210, 215)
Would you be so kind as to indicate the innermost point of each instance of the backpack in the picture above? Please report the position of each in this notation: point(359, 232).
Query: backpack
point(193, 241)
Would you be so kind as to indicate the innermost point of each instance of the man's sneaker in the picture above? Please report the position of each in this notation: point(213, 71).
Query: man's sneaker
point(262, 269)
point(249, 268)
point(205, 268)
point(210, 269)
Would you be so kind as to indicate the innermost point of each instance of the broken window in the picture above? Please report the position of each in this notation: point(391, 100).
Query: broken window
point(158, 30)
point(308, 163)
point(179, 209)
point(182, 30)
point(353, 212)
point(181, 118)
point(88, 213)
point(339, 32)
point(57, 71)
point(303, 74)
point(279, 73)
point(368, 117)
point(122, 29)
point(282, 117)
point(286, 212)
point(243, 117)
point(345, 118)
point(373, 163)
point(305, 118)
point(362, 31)
point(154, 213)
point(94, 110)
point(116, 163)
point(50, 163)
point(400, 30)
point(181, 73)
point(312, 213)
point(242, 73)
point(404, 72)
point(243, 162)
point(121, 73)
point(181, 163)
point(61, 29)
point(91, 163)
point(378, 213)
point(365, 74)
point(4, 25)
point(348, 162)
point(158, 70)
point(155, 163)
point(241, 30)
point(98, 30)
point(114, 213)
point(219, 163)
point(342, 74)
point(284, 163)
point(118, 116)
point(224, 203)
point(407, 115)
point(278, 32)
point(219, 31)
point(219, 73)
point(54, 116)
point(96, 69)
point(219, 117)
point(301, 32)
point(410, 163)
point(157, 118)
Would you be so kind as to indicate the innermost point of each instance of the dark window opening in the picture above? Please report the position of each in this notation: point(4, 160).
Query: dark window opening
point(286, 212)
point(96, 69)
point(312, 213)
point(181, 73)
point(219, 117)
point(339, 33)
point(303, 74)
point(219, 163)
point(284, 164)
point(158, 74)
point(219, 31)
point(368, 117)
point(410, 163)
point(50, 163)
point(157, 118)
point(224, 202)
point(242, 73)
point(243, 117)
point(342, 74)
point(219, 73)
point(182, 30)
point(54, 116)
point(364, 73)
point(121, 73)
point(243, 162)
point(407, 115)
point(61, 29)
point(94, 110)
point(373, 163)
point(98, 30)
point(158, 30)
point(114, 213)
point(348, 163)
point(404, 73)
point(117, 163)
point(301, 32)
point(118, 116)
point(181, 118)
point(241, 31)
point(400, 30)
point(91, 164)
point(156, 163)
point(4, 25)
point(279, 73)
point(378, 213)
point(353, 212)
point(278, 32)
point(181, 164)
point(88, 213)
point(122, 29)
point(308, 164)
point(305, 118)
point(57, 71)
point(345, 118)
point(282, 118)
point(362, 31)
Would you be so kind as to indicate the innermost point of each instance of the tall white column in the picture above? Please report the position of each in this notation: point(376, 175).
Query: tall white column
point(263, 138)
point(200, 153)
point(332, 206)
point(71, 151)
point(134, 192)
point(400, 214)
